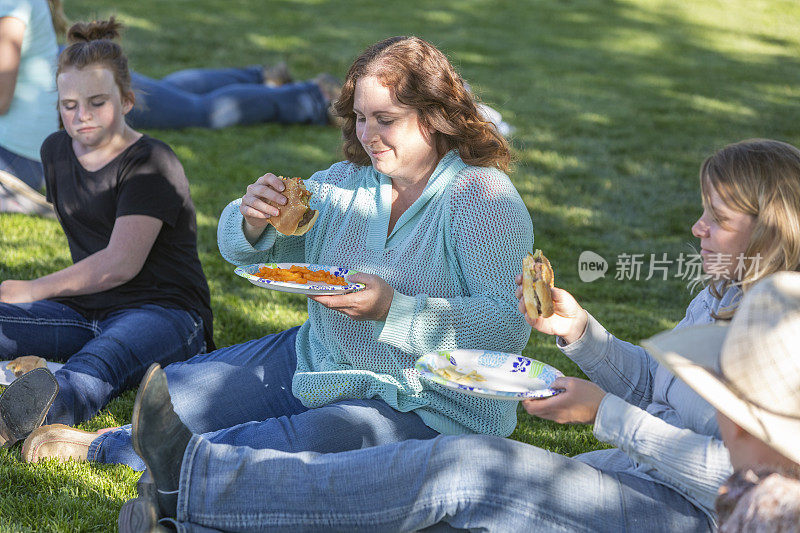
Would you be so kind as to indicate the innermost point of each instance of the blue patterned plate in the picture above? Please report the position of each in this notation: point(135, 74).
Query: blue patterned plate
point(248, 272)
point(498, 375)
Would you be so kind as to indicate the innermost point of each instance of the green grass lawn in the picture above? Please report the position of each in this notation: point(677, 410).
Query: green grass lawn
point(615, 104)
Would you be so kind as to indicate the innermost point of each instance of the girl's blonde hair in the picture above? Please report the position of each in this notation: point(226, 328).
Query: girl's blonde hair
point(758, 177)
point(60, 21)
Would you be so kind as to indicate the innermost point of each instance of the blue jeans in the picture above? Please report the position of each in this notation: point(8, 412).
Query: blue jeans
point(27, 170)
point(474, 482)
point(242, 396)
point(216, 98)
point(102, 357)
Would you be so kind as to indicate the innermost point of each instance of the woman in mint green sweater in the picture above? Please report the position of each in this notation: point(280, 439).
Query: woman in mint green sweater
point(423, 209)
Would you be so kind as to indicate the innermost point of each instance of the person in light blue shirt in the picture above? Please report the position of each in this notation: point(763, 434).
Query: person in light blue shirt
point(27, 97)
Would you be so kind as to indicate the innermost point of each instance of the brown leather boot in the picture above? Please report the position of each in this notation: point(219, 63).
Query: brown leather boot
point(159, 437)
point(57, 441)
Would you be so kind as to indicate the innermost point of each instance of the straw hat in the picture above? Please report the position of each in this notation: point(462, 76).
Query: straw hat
point(748, 369)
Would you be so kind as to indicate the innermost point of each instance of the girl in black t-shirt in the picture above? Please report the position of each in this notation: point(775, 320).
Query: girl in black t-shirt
point(136, 293)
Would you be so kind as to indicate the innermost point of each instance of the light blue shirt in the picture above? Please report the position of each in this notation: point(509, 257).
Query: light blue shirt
point(32, 115)
point(663, 430)
point(451, 258)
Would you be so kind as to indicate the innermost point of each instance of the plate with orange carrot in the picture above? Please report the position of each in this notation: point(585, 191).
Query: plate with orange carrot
point(302, 278)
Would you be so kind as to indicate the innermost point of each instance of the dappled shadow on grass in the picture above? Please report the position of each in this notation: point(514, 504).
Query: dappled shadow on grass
point(620, 125)
point(625, 90)
point(220, 164)
point(566, 440)
point(254, 317)
point(615, 103)
point(50, 496)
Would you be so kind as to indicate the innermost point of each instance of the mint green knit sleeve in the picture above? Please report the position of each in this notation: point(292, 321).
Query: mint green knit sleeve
point(269, 248)
point(489, 232)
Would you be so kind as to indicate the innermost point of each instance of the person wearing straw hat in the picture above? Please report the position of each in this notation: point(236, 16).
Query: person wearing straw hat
point(749, 370)
point(662, 475)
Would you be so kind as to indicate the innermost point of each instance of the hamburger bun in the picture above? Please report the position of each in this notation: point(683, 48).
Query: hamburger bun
point(295, 217)
point(537, 280)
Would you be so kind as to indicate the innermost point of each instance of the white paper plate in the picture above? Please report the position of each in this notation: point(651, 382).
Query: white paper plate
point(497, 375)
point(249, 273)
point(7, 376)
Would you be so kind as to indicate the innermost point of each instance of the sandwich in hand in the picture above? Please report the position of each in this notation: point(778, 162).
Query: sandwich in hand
point(295, 217)
point(537, 280)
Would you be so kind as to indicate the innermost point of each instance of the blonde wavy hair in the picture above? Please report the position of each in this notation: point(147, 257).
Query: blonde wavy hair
point(421, 77)
point(761, 178)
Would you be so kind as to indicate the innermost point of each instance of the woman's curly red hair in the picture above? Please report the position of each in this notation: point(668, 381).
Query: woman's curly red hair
point(421, 77)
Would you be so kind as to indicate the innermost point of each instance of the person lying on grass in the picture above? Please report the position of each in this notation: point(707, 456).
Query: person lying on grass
point(663, 475)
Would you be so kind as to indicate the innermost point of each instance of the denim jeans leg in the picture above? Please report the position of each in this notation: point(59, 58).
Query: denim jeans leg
point(471, 482)
point(165, 106)
point(44, 328)
point(206, 80)
point(342, 426)
point(129, 341)
point(230, 386)
point(27, 170)
point(292, 103)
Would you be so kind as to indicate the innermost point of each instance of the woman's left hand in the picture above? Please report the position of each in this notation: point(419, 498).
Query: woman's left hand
point(15, 291)
point(576, 404)
point(370, 303)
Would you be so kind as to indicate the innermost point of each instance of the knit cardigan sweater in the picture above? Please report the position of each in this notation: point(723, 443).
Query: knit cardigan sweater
point(451, 258)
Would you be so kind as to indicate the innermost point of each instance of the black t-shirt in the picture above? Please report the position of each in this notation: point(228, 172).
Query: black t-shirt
point(145, 179)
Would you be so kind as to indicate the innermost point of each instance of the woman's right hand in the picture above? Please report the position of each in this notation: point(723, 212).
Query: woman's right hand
point(568, 321)
point(254, 207)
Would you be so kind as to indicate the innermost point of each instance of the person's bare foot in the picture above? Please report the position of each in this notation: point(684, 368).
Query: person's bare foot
point(277, 74)
point(331, 88)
